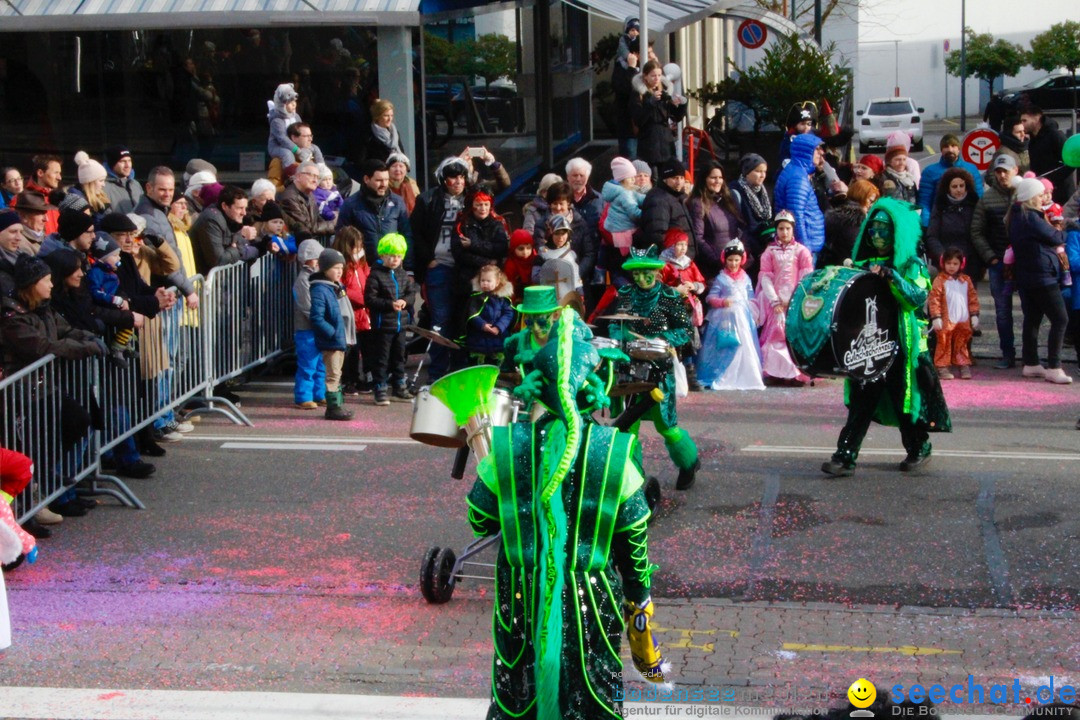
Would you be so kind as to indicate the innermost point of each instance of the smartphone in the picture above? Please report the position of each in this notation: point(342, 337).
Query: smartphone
point(477, 152)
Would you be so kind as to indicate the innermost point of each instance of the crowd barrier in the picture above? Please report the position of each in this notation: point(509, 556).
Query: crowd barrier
point(67, 414)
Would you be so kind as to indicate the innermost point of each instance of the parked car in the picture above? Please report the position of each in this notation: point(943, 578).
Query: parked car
point(884, 116)
point(499, 106)
point(1053, 92)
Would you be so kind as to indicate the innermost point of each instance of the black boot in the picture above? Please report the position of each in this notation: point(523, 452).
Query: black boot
point(920, 457)
point(691, 379)
point(838, 468)
point(335, 407)
point(687, 476)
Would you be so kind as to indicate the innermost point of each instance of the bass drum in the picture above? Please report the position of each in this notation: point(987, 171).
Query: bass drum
point(843, 322)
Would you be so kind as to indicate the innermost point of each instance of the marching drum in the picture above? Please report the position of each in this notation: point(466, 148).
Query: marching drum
point(433, 423)
point(652, 349)
point(843, 322)
point(603, 343)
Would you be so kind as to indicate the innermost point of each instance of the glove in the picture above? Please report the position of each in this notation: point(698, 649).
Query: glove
point(152, 239)
point(936, 324)
point(615, 355)
point(974, 322)
point(643, 647)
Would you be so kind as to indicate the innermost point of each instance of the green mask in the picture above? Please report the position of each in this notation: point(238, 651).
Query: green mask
point(880, 231)
point(644, 279)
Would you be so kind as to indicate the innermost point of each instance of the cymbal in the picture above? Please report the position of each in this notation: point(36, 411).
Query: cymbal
point(631, 388)
point(433, 337)
point(620, 317)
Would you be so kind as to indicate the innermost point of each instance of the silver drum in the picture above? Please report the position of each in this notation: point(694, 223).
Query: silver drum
point(648, 349)
point(502, 411)
point(433, 423)
point(603, 343)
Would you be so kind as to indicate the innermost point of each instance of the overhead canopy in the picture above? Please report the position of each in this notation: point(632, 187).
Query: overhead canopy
point(667, 16)
point(66, 15)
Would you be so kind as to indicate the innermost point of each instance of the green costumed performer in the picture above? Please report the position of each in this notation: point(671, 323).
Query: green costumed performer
point(909, 394)
point(568, 502)
point(665, 316)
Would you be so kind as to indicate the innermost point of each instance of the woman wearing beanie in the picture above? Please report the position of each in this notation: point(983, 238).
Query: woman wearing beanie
point(400, 183)
point(91, 186)
point(898, 182)
point(903, 140)
point(869, 168)
point(753, 200)
point(1036, 247)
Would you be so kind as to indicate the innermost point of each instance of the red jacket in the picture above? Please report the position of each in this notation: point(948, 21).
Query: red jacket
point(519, 273)
point(675, 277)
point(355, 280)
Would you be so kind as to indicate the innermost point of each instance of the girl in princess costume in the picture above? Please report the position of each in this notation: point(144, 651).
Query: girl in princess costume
point(730, 358)
point(783, 264)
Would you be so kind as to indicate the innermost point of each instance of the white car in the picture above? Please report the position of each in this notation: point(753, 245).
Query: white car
point(884, 116)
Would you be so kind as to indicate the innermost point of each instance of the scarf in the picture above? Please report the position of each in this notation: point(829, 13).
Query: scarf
point(955, 201)
point(406, 191)
point(758, 198)
point(1009, 141)
point(387, 136)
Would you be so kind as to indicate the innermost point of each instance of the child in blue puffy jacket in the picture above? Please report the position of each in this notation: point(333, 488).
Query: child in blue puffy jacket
point(624, 204)
point(489, 316)
point(333, 336)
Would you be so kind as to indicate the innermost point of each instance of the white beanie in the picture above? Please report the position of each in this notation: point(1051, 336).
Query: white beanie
point(203, 177)
point(309, 249)
point(396, 157)
point(621, 169)
point(324, 171)
point(546, 182)
point(140, 223)
point(89, 170)
point(262, 185)
point(1029, 188)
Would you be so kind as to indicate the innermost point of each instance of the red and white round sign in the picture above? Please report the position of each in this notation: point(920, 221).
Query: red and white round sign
point(979, 146)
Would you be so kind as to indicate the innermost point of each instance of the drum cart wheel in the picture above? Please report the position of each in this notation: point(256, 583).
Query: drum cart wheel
point(441, 569)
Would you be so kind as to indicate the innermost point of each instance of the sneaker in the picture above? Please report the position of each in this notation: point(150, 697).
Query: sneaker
point(37, 529)
point(1005, 364)
point(366, 388)
point(45, 516)
point(138, 470)
point(1033, 371)
point(837, 469)
point(179, 427)
point(164, 436)
point(307, 405)
point(381, 397)
point(1057, 376)
point(915, 460)
point(401, 392)
point(146, 447)
point(351, 389)
point(965, 372)
point(67, 509)
point(944, 373)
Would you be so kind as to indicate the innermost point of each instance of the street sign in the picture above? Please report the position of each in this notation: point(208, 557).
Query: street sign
point(979, 146)
point(752, 34)
point(946, 44)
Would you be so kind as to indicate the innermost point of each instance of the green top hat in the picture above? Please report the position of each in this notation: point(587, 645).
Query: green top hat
point(539, 300)
point(644, 259)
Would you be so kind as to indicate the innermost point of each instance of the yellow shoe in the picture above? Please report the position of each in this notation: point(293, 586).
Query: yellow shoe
point(643, 648)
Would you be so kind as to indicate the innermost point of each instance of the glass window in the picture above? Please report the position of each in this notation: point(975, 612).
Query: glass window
point(891, 107)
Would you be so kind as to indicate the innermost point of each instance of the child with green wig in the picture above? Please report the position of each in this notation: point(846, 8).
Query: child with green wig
point(389, 296)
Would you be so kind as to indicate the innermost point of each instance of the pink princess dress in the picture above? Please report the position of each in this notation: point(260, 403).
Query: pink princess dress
point(782, 267)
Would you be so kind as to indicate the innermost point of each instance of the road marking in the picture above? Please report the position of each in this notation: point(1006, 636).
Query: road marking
point(901, 650)
point(996, 564)
point(987, 455)
point(761, 544)
point(349, 447)
point(350, 440)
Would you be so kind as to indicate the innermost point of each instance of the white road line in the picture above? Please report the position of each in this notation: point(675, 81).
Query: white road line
point(987, 455)
point(112, 704)
point(349, 447)
point(330, 439)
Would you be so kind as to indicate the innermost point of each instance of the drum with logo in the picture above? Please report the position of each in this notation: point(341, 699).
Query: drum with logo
point(843, 322)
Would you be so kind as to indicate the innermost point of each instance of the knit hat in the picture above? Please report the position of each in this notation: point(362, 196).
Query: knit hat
point(671, 168)
point(73, 224)
point(309, 249)
point(74, 201)
point(116, 153)
point(557, 222)
point(197, 165)
point(949, 140)
point(675, 235)
point(898, 139)
point(63, 262)
point(139, 222)
point(9, 218)
point(621, 169)
point(89, 170)
point(330, 257)
point(642, 167)
point(546, 182)
point(393, 244)
point(260, 186)
point(632, 23)
point(873, 162)
point(103, 247)
point(203, 177)
point(749, 162)
point(117, 223)
point(520, 237)
point(1047, 185)
point(396, 157)
point(271, 211)
point(28, 270)
point(210, 193)
point(894, 151)
point(1028, 188)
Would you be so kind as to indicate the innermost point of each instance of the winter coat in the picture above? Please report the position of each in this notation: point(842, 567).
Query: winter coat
point(624, 207)
point(1072, 251)
point(795, 193)
point(519, 273)
point(301, 292)
point(663, 209)
point(1044, 151)
point(427, 223)
point(123, 193)
point(375, 217)
point(712, 232)
point(938, 306)
point(1016, 149)
point(29, 335)
point(590, 207)
point(157, 223)
point(488, 308)
point(103, 284)
point(653, 117)
point(327, 321)
point(950, 225)
point(988, 232)
point(1034, 243)
point(533, 212)
point(489, 241)
point(217, 241)
point(302, 214)
point(754, 224)
point(930, 178)
point(151, 261)
point(900, 186)
point(841, 229)
point(585, 244)
point(354, 279)
point(328, 202)
point(384, 286)
point(75, 306)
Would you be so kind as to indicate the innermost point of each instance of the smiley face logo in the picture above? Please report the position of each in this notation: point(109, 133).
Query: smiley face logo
point(862, 693)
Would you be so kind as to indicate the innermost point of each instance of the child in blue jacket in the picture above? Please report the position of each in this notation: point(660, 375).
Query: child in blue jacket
point(329, 308)
point(624, 204)
point(309, 387)
point(489, 316)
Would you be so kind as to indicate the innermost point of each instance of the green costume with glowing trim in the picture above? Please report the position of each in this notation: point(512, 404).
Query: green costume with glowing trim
point(909, 395)
point(567, 499)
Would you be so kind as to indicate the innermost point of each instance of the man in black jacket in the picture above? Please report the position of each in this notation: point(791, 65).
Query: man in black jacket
point(219, 236)
point(665, 208)
point(1045, 142)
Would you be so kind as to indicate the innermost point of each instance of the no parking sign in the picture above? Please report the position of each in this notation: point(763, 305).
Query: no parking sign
point(979, 147)
point(752, 34)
